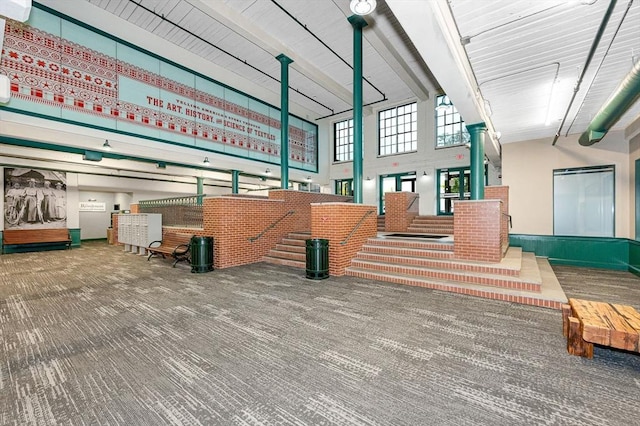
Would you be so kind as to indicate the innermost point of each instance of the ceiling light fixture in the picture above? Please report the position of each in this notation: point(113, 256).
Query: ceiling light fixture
point(362, 7)
point(206, 161)
point(106, 145)
point(444, 105)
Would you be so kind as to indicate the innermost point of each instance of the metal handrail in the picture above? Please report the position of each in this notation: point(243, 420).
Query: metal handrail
point(273, 225)
point(355, 228)
point(412, 202)
point(510, 222)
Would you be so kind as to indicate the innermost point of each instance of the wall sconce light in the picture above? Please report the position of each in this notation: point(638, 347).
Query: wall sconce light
point(308, 179)
point(267, 172)
point(161, 165)
point(368, 178)
point(425, 174)
point(92, 199)
point(106, 145)
point(206, 161)
point(362, 7)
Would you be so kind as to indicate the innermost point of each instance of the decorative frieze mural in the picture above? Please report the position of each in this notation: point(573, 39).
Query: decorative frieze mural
point(66, 71)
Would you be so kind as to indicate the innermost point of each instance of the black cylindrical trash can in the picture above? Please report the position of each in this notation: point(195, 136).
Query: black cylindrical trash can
point(201, 254)
point(317, 259)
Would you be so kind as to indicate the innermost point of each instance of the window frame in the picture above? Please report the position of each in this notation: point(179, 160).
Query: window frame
point(456, 121)
point(349, 140)
point(412, 132)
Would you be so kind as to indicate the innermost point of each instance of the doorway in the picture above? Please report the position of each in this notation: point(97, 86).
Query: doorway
point(401, 182)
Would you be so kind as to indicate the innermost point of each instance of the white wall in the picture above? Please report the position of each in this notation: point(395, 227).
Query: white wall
point(94, 224)
point(527, 169)
point(427, 158)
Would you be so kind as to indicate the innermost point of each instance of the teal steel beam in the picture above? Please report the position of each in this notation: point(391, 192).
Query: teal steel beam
point(284, 119)
point(358, 23)
point(235, 181)
point(477, 132)
point(625, 95)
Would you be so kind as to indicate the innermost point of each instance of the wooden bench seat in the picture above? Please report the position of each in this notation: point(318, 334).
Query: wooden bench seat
point(174, 244)
point(34, 239)
point(586, 323)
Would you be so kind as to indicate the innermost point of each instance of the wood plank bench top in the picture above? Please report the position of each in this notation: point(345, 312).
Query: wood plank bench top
point(36, 236)
point(607, 324)
point(175, 244)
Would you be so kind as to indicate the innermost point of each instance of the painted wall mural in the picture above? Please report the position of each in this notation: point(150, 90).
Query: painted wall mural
point(62, 70)
point(34, 199)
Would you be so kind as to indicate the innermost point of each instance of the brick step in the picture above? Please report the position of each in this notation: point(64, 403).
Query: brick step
point(518, 283)
point(411, 243)
point(430, 231)
point(441, 264)
point(299, 235)
point(550, 296)
point(404, 251)
point(419, 219)
point(285, 262)
point(280, 254)
point(293, 242)
point(293, 248)
point(432, 224)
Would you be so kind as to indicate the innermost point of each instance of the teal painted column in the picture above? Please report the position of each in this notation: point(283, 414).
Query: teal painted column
point(200, 188)
point(284, 119)
point(235, 181)
point(477, 132)
point(358, 23)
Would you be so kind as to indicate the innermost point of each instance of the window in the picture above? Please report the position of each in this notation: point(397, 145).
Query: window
point(583, 201)
point(450, 128)
point(343, 140)
point(398, 130)
point(344, 187)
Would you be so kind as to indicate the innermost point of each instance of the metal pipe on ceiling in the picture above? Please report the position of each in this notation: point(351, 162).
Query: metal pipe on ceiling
point(592, 51)
point(625, 95)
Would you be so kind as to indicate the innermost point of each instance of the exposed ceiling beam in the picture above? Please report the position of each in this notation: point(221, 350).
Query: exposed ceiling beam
point(247, 29)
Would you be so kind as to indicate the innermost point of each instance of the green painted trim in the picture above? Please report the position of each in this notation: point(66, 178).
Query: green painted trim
point(167, 61)
point(94, 239)
point(284, 119)
point(476, 175)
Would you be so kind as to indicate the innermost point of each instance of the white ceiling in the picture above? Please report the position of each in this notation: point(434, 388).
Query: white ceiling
point(516, 51)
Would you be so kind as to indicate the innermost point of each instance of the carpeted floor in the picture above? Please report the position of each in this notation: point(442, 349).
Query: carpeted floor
point(96, 336)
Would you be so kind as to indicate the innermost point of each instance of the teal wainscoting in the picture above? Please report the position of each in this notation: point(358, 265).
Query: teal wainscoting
point(75, 237)
point(634, 256)
point(594, 252)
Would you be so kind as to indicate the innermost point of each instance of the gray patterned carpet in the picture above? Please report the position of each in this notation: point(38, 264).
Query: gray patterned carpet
point(95, 336)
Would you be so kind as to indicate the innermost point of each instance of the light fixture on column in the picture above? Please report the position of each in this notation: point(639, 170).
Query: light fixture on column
point(368, 178)
point(206, 161)
point(362, 7)
point(267, 172)
point(106, 145)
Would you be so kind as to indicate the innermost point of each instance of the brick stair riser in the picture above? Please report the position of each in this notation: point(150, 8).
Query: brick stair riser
point(411, 244)
point(430, 225)
point(301, 237)
point(488, 294)
point(291, 248)
point(433, 222)
point(401, 251)
point(284, 262)
point(447, 275)
point(292, 242)
point(300, 257)
point(429, 231)
point(425, 262)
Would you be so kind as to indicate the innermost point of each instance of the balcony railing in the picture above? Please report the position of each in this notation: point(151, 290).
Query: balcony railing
point(183, 212)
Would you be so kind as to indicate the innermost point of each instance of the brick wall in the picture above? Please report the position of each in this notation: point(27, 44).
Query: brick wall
point(501, 193)
point(231, 221)
point(477, 228)
point(300, 201)
point(334, 222)
point(400, 210)
point(135, 208)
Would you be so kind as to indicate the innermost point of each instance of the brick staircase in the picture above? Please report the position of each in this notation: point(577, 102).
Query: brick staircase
point(380, 223)
point(433, 225)
point(291, 251)
point(520, 277)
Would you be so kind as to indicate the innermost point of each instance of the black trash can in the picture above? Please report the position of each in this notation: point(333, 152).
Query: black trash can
point(201, 254)
point(317, 259)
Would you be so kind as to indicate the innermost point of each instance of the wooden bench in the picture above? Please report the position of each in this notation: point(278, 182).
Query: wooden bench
point(174, 244)
point(34, 239)
point(586, 323)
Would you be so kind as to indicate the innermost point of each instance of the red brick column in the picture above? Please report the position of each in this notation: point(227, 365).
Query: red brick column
point(399, 210)
point(476, 230)
point(300, 201)
point(501, 193)
point(135, 208)
point(334, 222)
